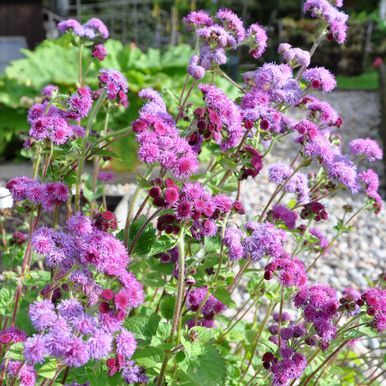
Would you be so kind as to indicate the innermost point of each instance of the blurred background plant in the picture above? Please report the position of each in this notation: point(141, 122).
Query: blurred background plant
point(136, 26)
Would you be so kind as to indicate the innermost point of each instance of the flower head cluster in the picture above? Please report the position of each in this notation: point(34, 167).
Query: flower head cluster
point(290, 271)
point(320, 305)
point(294, 56)
point(12, 335)
point(73, 336)
point(47, 194)
point(371, 181)
point(215, 35)
point(375, 299)
point(115, 85)
point(321, 112)
point(23, 372)
point(264, 240)
point(296, 183)
point(199, 299)
point(99, 52)
point(221, 119)
point(79, 104)
point(320, 79)
point(48, 122)
point(192, 203)
point(367, 148)
point(336, 20)
point(276, 80)
point(84, 245)
point(92, 29)
point(280, 213)
point(159, 139)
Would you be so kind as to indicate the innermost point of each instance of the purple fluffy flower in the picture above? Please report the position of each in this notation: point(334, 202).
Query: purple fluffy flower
point(80, 103)
point(320, 79)
point(232, 23)
point(367, 148)
point(12, 335)
point(278, 173)
point(49, 90)
point(115, 85)
point(265, 240)
point(344, 172)
point(72, 25)
point(282, 213)
point(370, 178)
point(233, 240)
point(76, 352)
point(42, 314)
point(99, 52)
point(100, 344)
point(228, 113)
point(197, 19)
point(35, 349)
point(95, 27)
point(70, 309)
point(79, 224)
point(24, 373)
point(134, 374)
point(256, 39)
point(291, 271)
point(126, 343)
point(293, 55)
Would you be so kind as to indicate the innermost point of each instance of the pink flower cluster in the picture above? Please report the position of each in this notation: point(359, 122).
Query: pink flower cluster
point(215, 35)
point(115, 85)
point(209, 306)
point(159, 139)
point(92, 29)
point(336, 20)
point(47, 194)
point(192, 203)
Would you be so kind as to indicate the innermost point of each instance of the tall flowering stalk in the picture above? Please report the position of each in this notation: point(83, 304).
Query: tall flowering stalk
point(155, 302)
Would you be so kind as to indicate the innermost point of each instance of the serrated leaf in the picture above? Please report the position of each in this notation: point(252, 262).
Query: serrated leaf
point(143, 327)
point(208, 368)
point(167, 306)
point(149, 357)
point(224, 296)
point(49, 368)
point(146, 239)
point(162, 244)
point(6, 300)
point(15, 351)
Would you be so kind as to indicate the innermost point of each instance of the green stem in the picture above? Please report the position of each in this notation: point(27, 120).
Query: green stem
point(177, 308)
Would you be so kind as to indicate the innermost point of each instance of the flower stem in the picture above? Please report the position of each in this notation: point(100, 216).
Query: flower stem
point(177, 308)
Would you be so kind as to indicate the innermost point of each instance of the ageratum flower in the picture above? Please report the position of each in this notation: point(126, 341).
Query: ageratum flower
point(126, 343)
point(159, 138)
point(228, 113)
point(320, 79)
point(233, 241)
point(232, 24)
point(115, 85)
point(265, 240)
point(197, 19)
point(42, 314)
point(35, 350)
point(92, 29)
point(281, 213)
point(294, 56)
point(99, 52)
point(367, 148)
point(79, 104)
point(256, 39)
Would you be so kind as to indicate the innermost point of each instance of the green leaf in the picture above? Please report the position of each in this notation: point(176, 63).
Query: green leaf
point(153, 279)
point(167, 306)
point(49, 368)
point(146, 239)
point(6, 300)
point(15, 351)
point(143, 327)
point(208, 368)
point(224, 296)
point(162, 244)
point(149, 357)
